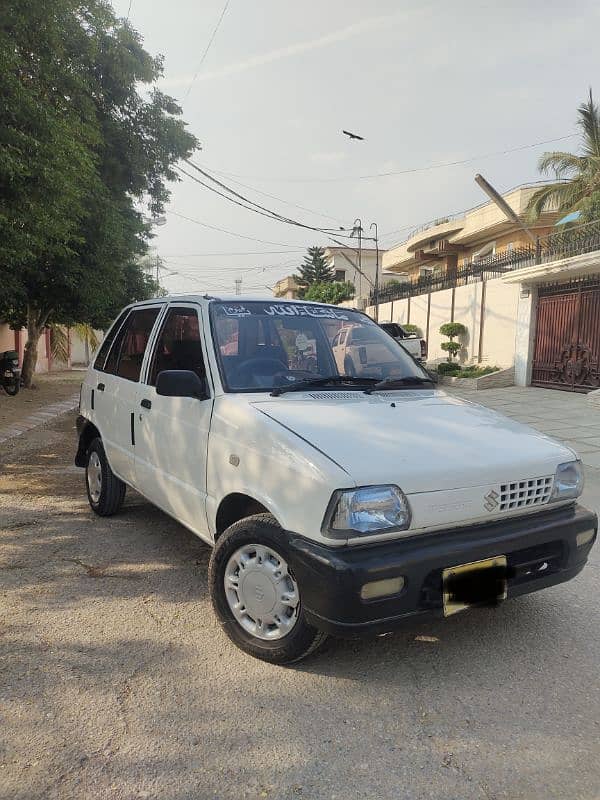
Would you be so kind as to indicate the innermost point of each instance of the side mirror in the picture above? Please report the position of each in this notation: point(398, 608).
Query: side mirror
point(181, 383)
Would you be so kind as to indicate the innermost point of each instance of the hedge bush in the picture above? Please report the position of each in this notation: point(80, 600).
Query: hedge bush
point(446, 368)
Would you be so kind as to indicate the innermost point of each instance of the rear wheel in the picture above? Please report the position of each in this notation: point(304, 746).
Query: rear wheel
point(256, 595)
point(104, 490)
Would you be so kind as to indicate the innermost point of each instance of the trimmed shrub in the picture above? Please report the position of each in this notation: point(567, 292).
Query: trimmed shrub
point(452, 329)
point(451, 347)
point(446, 368)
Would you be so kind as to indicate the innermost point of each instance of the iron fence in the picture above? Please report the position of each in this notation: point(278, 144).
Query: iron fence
point(569, 242)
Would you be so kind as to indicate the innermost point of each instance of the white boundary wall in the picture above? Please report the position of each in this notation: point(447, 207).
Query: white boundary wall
point(496, 337)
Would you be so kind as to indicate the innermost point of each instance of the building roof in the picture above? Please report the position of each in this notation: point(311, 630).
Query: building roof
point(468, 228)
point(352, 249)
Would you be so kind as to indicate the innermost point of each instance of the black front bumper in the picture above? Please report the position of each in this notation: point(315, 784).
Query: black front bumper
point(541, 551)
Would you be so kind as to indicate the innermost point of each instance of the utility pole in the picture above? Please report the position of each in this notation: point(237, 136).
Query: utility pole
point(238, 286)
point(157, 270)
point(358, 228)
point(376, 288)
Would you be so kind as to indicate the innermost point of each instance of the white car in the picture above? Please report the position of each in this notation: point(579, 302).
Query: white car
point(335, 504)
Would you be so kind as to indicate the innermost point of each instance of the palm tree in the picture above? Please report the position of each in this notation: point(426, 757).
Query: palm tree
point(578, 175)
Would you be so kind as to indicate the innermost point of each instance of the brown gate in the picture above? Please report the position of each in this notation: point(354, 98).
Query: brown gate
point(567, 341)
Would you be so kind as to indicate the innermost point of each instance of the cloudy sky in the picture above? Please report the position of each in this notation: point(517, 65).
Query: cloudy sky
point(426, 83)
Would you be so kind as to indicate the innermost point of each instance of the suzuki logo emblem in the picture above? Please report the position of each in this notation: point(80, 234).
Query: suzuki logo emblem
point(490, 500)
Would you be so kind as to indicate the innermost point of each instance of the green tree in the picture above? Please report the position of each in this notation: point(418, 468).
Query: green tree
point(579, 174)
point(315, 268)
point(83, 154)
point(330, 292)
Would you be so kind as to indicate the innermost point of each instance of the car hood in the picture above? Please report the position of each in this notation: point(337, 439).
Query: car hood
point(422, 441)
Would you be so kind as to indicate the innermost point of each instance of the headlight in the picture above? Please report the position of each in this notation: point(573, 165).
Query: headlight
point(368, 510)
point(568, 481)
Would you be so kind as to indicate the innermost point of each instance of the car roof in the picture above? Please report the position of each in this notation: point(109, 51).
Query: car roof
point(229, 298)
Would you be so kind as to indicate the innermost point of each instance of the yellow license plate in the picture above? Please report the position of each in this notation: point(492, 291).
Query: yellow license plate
point(480, 583)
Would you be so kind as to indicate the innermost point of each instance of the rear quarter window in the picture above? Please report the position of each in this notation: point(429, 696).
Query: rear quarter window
point(100, 359)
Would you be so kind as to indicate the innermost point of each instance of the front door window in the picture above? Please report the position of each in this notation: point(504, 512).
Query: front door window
point(179, 345)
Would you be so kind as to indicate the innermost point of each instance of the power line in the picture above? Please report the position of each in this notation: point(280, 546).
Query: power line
point(257, 210)
point(212, 271)
point(233, 253)
point(207, 48)
point(129, 9)
point(274, 197)
point(250, 205)
point(224, 230)
point(426, 168)
point(246, 203)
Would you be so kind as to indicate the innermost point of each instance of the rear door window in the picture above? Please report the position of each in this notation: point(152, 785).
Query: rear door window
point(127, 352)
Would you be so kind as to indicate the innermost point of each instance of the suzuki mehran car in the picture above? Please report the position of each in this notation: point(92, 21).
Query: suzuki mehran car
point(335, 503)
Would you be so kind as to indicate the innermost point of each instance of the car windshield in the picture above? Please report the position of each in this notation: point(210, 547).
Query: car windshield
point(262, 346)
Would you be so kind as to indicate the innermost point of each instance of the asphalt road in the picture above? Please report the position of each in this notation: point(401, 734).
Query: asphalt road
point(116, 681)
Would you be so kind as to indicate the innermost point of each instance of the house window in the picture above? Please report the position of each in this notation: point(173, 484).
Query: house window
point(340, 275)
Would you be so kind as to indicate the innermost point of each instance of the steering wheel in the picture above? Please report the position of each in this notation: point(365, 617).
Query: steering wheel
point(245, 374)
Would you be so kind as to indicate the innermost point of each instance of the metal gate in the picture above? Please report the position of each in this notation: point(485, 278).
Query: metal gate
point(567, 340)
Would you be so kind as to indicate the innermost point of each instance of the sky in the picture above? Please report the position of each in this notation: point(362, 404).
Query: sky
point(425, 83)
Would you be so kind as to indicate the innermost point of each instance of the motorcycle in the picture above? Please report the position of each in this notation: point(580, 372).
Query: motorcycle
point(10, 374)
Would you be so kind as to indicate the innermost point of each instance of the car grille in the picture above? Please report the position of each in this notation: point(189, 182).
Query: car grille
point(534, 492)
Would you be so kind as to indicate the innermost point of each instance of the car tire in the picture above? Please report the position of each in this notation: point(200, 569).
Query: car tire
point(105, 491)
point(288, 637)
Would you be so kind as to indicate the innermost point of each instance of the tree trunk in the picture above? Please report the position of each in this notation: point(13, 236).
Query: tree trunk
point(36, 322)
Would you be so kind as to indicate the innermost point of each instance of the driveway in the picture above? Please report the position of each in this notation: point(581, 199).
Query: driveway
point(118, 683)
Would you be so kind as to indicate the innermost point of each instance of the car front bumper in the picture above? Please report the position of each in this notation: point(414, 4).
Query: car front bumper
point(541, 551)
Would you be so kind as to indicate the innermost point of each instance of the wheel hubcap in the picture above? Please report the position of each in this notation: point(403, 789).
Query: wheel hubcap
point(94, 477)
point(261, 593)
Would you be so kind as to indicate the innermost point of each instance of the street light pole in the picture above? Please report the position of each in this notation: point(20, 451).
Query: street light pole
point(376, 292)
point(501, 203)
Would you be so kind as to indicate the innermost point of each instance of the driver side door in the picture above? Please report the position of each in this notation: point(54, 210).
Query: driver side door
point(172, 432)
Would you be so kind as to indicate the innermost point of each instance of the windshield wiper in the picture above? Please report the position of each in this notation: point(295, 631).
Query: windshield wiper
point(311, 383)
point(398, 383)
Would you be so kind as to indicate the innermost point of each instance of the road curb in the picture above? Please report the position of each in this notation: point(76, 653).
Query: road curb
point(38, 418)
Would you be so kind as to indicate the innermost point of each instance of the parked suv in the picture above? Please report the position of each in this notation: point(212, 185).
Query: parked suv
point(336, 500)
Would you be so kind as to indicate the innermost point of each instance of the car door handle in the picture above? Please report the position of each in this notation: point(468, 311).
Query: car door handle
point(100, 387)
point(146, 404)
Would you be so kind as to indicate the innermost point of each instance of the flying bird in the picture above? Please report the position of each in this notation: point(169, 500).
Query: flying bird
point(354, 136)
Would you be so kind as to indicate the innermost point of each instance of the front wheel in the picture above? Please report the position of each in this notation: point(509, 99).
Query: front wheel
point(105, 491)
point(255, 594)
point(11, 385)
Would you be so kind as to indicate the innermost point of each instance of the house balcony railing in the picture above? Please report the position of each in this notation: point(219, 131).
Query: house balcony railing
point(570, 242)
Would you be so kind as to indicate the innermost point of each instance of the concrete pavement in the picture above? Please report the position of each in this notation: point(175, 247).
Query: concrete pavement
point(116, 681)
